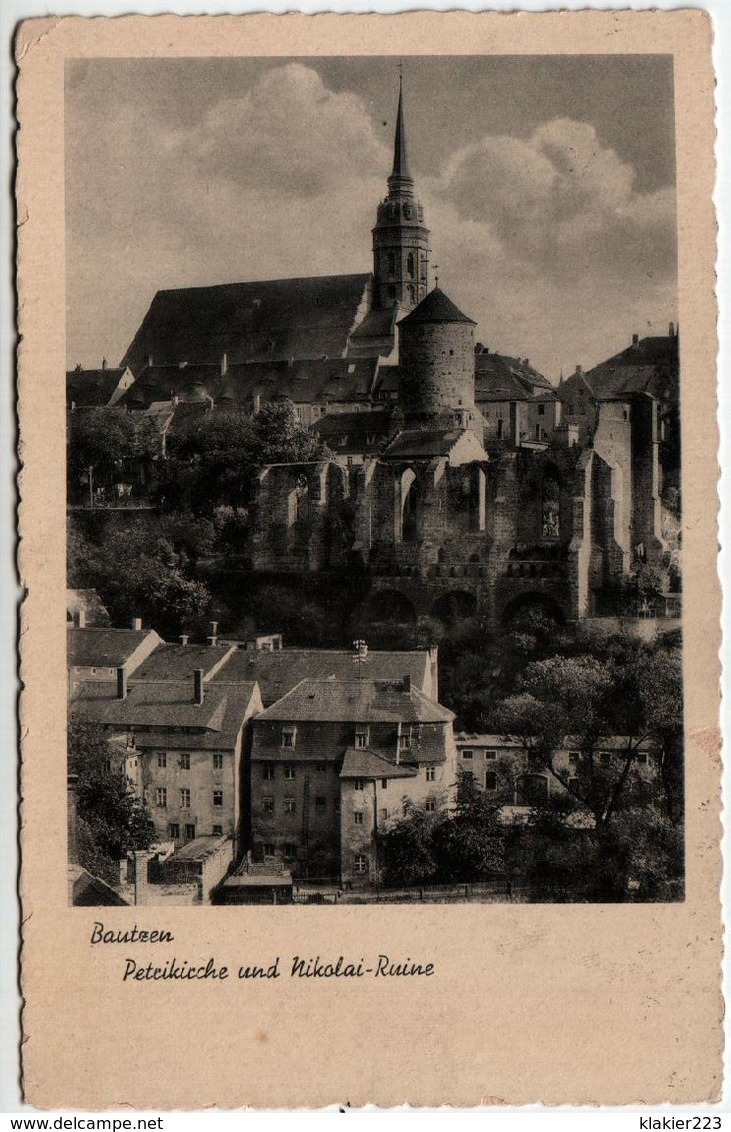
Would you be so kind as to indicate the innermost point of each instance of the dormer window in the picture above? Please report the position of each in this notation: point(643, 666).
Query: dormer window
point(404, 739)
point(361, 737)
point(289, 736)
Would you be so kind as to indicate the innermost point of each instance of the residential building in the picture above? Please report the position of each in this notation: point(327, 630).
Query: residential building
point(333, 761)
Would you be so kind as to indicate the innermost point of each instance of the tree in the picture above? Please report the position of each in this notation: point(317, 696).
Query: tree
point(279, 437)
point(112, 820)
point(468, 841)
point(407, 849)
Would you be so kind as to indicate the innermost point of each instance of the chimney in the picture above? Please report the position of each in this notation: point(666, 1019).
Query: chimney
point(137, 624)
point(580, 371)
point(213, 633)
point(73, 818)
point(79, 368)
point(122, 683)
point(635, 339)
point(224, 365)
point(150, 362)
point(198, 686)
point(104, 363)
point(81, 619)
point(671, 329)
point(407, 683)
point(183, 638)
point(257, 402)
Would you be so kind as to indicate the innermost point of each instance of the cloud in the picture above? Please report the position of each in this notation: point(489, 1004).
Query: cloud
point(544, 239)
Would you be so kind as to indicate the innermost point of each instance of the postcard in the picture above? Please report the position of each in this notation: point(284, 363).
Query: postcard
point(370, 703)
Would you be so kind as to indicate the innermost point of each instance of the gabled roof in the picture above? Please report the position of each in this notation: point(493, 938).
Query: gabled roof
point(104, 648)
point(90, 388)
point(650, 366)
point(169, 707)
point(358, 763)
point(499, 377)
point(357, 701)
point(460, 445)
point(179, 662)
point(266, 320)
point(436, 307)
point(362, 433)
point(278, 672)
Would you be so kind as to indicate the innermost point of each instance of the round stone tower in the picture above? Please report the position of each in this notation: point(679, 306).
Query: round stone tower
point(437, 364)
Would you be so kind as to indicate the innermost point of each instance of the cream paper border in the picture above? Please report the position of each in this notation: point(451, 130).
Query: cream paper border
point(580, 1004)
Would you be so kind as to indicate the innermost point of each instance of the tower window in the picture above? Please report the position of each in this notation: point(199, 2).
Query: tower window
point(391, 263)
point(410, 264)
point(391, 291)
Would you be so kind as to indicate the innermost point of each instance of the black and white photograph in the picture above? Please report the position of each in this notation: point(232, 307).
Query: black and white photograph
point(374, 500)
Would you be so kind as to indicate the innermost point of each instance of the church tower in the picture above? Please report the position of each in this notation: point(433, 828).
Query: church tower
point(400, 240)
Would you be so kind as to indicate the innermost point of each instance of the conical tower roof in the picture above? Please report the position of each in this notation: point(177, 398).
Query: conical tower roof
point(437, 307)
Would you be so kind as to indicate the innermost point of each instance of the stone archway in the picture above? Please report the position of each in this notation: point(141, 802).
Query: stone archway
point(389, 605)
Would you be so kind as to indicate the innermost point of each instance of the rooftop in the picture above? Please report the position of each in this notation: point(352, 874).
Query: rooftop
point(436, 307)
point(356, 700)
point(278, 672)
point(104, 648)
point(369, 764)
point(90, 388)
point(179, 662)
point(267, 320)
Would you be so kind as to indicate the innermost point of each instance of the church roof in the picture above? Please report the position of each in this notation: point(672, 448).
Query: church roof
point(87, 388)
point(436, 307)
point(400, 160)
point(257, 321)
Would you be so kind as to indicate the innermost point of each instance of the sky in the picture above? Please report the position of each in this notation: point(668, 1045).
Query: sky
point(548, 184)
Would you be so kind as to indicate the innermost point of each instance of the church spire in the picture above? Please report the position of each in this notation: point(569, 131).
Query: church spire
point(400, 160)
point(400, 238)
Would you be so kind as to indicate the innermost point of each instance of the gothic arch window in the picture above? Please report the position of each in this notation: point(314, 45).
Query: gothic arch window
point(410, 265)
point(551, 511)
point(391, 291)
point(410, 293)
point(391, 263)
point(409, 505)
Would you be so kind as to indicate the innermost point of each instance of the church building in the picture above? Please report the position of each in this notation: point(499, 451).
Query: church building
point(448, 504)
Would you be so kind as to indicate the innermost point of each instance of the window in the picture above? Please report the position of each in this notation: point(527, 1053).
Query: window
point(184, 762)
point(490, 754)
point(490, 780)
point(383, 815)
point(218, 762)
point(410, 264)
point(391, 263)
point(358, 784)
point(541, 410)
point(289, 849)
point(267, 773)
point(361, 737)
point(161, 797)
point(267, 804)
point(574, 758)
point(218, 798)
point(358, 817)
point(268, 850)
point(174, 830)
point(430, 806)
point(288, 737)
point(320, 804)
point(431, 773)
point(384, 784)
point(404, 740)
point(218, 831)
point(290, 806)
point(321, 768)
point(500, 428)
point(185, 798)
point(641, 758)
point(162, 760)
point(189, 831)
point(289, 771)
point(360, 864)
point(466, 753)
